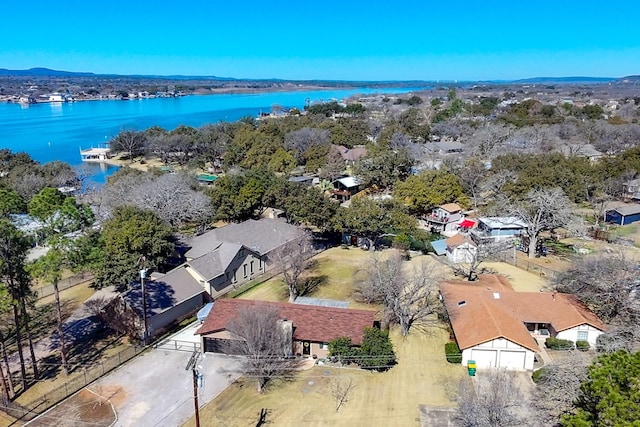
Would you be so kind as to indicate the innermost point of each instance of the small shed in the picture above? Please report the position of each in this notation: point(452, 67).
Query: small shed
point(623, 215)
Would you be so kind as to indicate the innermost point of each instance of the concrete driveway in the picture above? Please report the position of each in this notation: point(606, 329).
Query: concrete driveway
point(155, 389)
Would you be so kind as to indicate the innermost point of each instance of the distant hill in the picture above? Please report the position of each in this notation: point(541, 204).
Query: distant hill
point(633, 79)
point(579, 79)
point(44, 72)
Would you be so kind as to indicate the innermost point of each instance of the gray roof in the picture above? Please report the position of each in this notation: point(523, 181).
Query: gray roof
point(321, 302)
point(503, 222)
point(261, 236)
point(627, 210)
point(215, 263)
point(168, 291)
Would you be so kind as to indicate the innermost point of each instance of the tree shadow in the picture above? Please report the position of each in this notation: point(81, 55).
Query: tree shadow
point(311, 284)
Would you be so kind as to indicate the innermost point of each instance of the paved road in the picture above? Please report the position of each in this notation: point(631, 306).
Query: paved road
point(155, 389)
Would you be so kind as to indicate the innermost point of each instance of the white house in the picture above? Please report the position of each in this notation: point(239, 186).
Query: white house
point(496, 326)
point(460, 249)
point(445, 218)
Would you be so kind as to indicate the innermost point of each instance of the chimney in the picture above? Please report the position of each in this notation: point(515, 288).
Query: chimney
point(496, 295)
point(553, 295)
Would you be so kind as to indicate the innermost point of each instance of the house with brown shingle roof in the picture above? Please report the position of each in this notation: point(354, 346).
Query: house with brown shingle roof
point(313, 326)
point(496, 326)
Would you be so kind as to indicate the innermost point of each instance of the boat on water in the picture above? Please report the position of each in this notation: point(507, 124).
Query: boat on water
point(96, 155)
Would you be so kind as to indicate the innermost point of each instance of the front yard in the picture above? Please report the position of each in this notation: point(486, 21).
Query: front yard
point(422, 375)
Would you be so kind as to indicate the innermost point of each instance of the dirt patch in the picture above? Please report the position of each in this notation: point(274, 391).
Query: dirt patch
point(84, 408)
point(113, 393)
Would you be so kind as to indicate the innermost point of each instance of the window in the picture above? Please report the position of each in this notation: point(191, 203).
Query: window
point(260, 265)
point(324, 346)
point(244, 270)
point(235, 278)
point(583, 336)
point(251, 266)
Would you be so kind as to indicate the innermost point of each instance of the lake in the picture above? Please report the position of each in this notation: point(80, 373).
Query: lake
point(57, 131)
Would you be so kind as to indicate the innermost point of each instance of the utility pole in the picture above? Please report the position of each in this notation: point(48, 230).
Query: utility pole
point(143, 275)
point(192, 364)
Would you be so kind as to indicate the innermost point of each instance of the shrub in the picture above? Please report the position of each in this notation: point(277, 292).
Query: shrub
point(582, 345)
point(341, 349)
point(376, 351)
point(452, 352)
point(559, 344)
point(537, 374)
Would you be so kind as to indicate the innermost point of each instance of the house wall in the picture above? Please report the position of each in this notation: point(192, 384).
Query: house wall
point(463, 253)
point(158, 323)
point(319, 349)
point(246, 266)
point(613, 217)
point(501, 351)
point(572, 334)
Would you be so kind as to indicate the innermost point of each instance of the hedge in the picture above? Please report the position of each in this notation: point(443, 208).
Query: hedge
point(583, 345)
point(559, 344)
point(452, 352)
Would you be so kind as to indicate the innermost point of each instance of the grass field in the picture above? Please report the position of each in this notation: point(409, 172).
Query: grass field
point(390, 398)
point(334, 269)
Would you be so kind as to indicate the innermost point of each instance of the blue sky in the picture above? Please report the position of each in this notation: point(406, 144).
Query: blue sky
point(353, 40)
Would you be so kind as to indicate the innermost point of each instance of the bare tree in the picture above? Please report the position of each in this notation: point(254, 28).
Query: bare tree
point(265, 341)
point(129, 141)
point(380, 274)
point(558, 387)
point(488, 140)
point(542, 210)
point(172, 196)
point(472, 173)
point(469, 268)
point(414, 300)
point(606, 283)
point(492, 400)
point(301, 140)
point(293, 259)
point(409, 294)
point(341, 391)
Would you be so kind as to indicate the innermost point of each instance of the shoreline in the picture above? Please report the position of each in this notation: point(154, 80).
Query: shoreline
point(11, 99)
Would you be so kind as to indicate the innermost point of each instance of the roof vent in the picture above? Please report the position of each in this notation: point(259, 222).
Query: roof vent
point(496, 295)
point(462, 303)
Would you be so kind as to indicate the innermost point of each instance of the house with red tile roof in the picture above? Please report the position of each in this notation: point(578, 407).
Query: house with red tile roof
point(312, 326)
point(496, 326)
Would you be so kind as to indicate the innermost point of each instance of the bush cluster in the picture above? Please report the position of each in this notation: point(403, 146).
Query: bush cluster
point(582, 345)
point(559, 344)
point(376, 351)
point(452, 352)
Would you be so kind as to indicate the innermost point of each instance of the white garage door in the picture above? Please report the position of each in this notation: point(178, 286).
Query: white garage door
point(484, 358)
point(512, 359)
